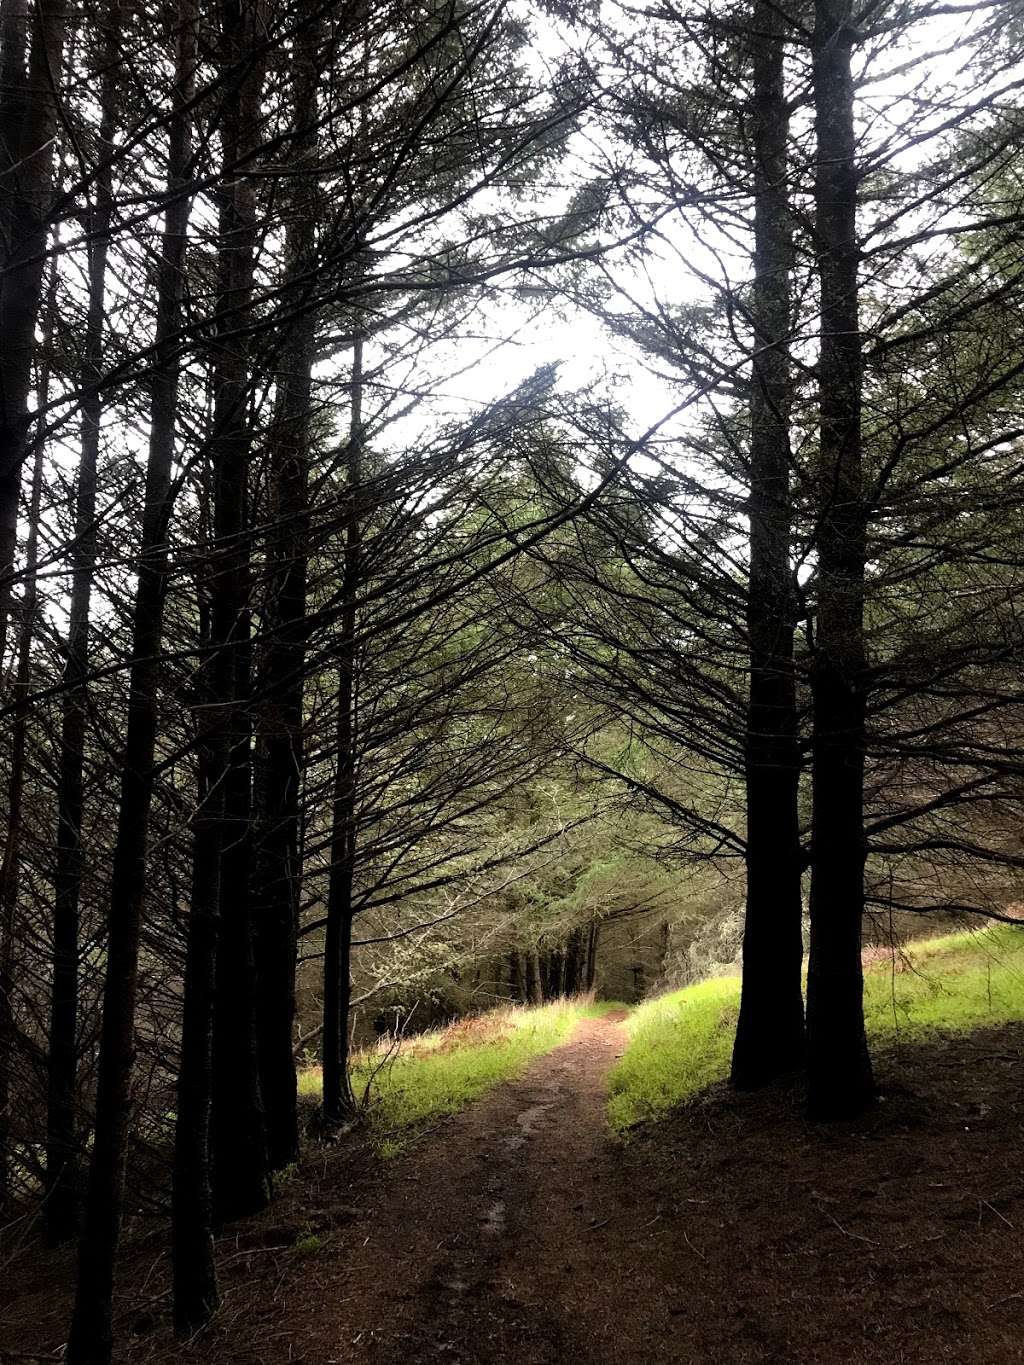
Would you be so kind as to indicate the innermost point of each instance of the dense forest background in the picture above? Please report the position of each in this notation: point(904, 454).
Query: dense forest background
point(495, 499)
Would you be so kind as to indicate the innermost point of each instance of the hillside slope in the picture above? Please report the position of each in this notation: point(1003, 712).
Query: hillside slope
point(680, 1043)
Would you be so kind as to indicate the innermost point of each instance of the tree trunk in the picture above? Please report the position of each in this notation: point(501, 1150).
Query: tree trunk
point(534, 978)
point(278, 881)
point(592, 941)
point(91, 1335)
point(33, 44)
point(241, 1184)
point(576, 963)
point(517, 976)
point(10, 865)
point(278, 873)
point(338, 1100)
point(569, 959)
point(554, 974)
point(770, 1032)
point(582, 955)
point(196, 1296)
point(63, 1178)
point(840, 1081)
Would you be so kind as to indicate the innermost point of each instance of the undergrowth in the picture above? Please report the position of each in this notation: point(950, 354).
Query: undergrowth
point(681, 1043)
point(405, 1086)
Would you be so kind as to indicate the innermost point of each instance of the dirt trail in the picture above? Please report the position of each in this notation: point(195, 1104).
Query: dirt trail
point(464, 1256)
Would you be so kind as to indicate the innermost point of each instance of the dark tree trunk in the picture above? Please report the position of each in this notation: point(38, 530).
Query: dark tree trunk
point(569, 960)
point(582, 955)
point(840, 1081)
point(338, 1100)
point(592, 943)
point(339, 1104)
point(10, 865)
point(534, 980)
point(91, 1329)
point(770, 1032)
point(33, 42)
point(554, 974)
point(576, 963)
point(196, 1296)
point(517, 976)
point(63, 1179)
point(32, 39)
point(277, 887)
point(240, 1170)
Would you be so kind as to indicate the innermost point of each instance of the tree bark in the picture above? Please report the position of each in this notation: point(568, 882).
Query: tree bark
point(280, 761)
point(593, 938)
point(570, 958)
point(10, 864)
point(517, 976)
point(770, 1031)
point(280, 748)
point(534, 978)
point(338, 1100)
point(575, 963)
point(840, 1082)
point(91, 1328)
point(553, 974)
point(32, 39)
point(241, 1183)
point(33, 44)
point(196, 1295)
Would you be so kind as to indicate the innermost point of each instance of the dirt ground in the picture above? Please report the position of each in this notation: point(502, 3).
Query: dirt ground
point(520, 1231)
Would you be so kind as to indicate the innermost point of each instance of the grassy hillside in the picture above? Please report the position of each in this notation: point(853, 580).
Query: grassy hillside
point(680, 1043)
point(441, 1071)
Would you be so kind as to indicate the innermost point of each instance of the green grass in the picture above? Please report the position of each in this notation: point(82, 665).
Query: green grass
point(678, 1044)
point(949, 985)
point(681, 1043)
point(442, 1071)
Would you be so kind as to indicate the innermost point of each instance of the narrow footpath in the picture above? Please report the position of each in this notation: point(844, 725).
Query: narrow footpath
point(477, 1250)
